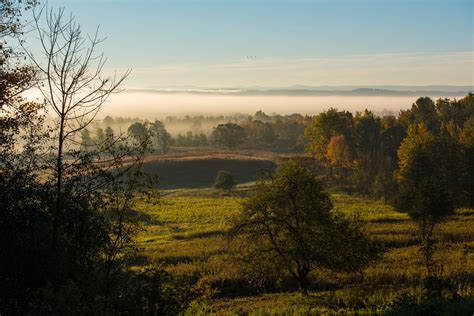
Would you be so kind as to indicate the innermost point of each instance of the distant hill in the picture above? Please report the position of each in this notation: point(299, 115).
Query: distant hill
point(434, 90)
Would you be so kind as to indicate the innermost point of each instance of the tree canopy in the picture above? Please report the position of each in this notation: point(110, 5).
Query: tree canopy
point(289, 222)
point(228, 135)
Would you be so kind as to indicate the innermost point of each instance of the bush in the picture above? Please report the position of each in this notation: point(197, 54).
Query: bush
point(151, 291)
point(435, 308)
point(224, 180)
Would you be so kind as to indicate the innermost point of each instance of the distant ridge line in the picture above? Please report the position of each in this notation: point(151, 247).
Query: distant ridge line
point(309, 92)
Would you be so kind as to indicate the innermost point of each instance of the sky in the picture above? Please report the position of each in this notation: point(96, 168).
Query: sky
point(232, 43)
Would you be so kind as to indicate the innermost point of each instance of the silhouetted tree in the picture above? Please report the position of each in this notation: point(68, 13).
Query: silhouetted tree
point(109, 134)
point(160, 136)
point(99, 136)
point(86, 141)
point(21, 137)
point(261, 116)
point(65, 225)
point(108, 120)
point(74, 88)
point(15, 77)
point(139, 132)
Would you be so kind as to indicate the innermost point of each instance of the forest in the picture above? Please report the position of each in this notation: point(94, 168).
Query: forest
point(358, 153)
point(336, 213)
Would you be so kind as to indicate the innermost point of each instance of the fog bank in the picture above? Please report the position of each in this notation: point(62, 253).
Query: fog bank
point(152, 105)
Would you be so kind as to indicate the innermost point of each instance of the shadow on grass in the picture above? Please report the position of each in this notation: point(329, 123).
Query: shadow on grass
point(388, 221)
point(197, 235)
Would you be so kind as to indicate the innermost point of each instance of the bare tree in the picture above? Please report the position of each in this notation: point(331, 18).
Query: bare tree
point(74, 87)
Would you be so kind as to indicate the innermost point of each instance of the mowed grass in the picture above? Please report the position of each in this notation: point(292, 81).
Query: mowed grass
point(187, 234)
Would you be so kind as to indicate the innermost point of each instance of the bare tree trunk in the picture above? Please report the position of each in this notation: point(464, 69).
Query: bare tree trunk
point(303, 286)
point(59, 178)
point(75, 88)
point(427, 244)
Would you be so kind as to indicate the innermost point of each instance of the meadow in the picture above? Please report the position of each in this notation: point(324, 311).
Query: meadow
point(185, 232)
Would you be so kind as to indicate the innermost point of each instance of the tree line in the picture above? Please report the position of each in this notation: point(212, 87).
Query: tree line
point(366, 154)
point(358, 151)
point(260, 131)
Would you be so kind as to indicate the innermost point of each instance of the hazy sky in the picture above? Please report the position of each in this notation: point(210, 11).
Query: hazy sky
point(232, 43)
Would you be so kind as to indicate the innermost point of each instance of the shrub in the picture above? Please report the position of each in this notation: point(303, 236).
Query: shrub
point(224, 180)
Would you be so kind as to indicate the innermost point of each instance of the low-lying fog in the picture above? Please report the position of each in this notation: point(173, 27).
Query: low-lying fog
point(155, 105)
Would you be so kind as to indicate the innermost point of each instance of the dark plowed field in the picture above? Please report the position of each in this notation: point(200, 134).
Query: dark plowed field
point(198, 172)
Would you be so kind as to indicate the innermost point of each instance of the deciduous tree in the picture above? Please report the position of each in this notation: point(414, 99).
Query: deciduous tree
point(424, 191)
point(74, 88)
point(228, 135)
point(326, 125)
point(288, 223)
point(160, 137)
point(339, 156)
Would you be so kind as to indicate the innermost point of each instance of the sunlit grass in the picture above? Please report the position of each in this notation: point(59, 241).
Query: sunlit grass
point(197, 210)
point(187, 233)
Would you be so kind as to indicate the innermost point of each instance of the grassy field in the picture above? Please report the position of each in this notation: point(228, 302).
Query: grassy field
point(186, 233)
